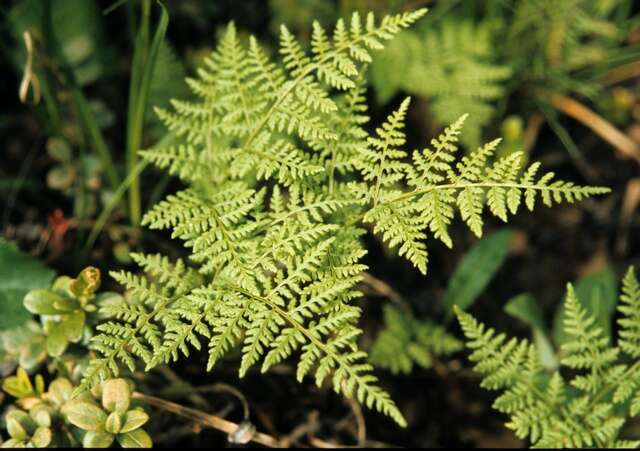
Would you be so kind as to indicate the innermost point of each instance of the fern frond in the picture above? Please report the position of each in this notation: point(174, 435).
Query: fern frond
point(406, 341)
point(281, 176)
point(441, 188)
point(630, 309)
point(592, 412)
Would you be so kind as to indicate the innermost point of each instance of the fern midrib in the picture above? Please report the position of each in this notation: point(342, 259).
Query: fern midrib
point(427, 189)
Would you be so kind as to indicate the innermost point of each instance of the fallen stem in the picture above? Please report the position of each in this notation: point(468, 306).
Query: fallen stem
point(622, 73)
point(596, 123)
point(206, 419)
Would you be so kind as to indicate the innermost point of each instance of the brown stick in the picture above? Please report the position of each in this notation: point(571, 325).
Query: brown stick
point(622, 73)
point(381, 287)
point(533, 129)
point(596, 123)
point(206, 419)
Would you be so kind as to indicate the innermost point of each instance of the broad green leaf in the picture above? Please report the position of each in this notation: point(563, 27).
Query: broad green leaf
point(56, 338)
point(525, 308)
point(134, 419)
point(19, 273)
point(476, 269)
point(85, 415)
point(43, 302)
point(135, 439)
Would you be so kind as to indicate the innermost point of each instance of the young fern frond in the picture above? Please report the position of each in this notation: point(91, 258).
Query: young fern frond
point(542, 407)
point(282, 176)
point(406, 341)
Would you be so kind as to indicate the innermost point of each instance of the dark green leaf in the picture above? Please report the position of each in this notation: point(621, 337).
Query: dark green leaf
point(476, 270)
point(20, 273)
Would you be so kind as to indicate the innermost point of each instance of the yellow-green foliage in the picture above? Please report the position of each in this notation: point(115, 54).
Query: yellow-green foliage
point(452, 66)
point(282, 177)
point(553, 411)
point(406, 341)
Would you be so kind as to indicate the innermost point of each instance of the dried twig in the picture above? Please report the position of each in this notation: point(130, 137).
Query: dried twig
point(384, 289)
point(29, 78)
point(622, 73)
point(206, 419)
point(596, 123)
point(533, 129)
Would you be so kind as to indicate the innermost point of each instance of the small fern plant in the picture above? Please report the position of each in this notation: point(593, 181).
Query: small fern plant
point(586, 409)
point(406, 341)
point(282, 178)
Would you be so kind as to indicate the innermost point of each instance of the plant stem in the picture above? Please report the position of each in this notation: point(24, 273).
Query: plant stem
point(144, 59)
point(206, 419)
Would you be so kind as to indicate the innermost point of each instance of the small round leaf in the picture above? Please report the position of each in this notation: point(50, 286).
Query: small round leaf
point(60, 391)
point(56, 339)
point(134, 419)
point(42, 437)
point(42, 302)
point(73, 325)
point(85, 415)
point(116, 395)
point(114, 423)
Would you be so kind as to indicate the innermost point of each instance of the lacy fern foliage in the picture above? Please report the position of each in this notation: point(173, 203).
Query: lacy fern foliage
point(453, 66)
point(282, 177)
point(406, 341)
point(552, 411)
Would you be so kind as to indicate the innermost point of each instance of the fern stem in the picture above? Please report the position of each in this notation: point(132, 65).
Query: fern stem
point(206, 419)
point(417, 192)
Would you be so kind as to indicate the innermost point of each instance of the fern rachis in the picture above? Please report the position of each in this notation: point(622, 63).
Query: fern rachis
point(281, 179)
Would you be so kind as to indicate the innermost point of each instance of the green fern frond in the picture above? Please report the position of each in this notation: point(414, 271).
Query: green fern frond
point(440, 189)
point(406, 341)
point(630, 309)
point(282, 177)
point(541, 406)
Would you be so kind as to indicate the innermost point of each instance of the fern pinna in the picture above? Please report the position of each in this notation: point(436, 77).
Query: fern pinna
point(589, 410)
point(282, 178)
